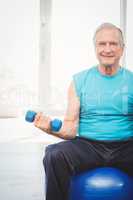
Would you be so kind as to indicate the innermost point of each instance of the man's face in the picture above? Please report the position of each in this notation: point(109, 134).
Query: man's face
point(108, 47)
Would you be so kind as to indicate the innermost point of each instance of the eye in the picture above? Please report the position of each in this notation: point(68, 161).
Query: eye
point(101, 44)
point(115, 44)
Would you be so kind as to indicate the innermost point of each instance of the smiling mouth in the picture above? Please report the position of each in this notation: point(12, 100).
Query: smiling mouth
point(107, 56)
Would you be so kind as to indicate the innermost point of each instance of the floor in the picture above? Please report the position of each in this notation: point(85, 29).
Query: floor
point(21, 153)
point(21, 171)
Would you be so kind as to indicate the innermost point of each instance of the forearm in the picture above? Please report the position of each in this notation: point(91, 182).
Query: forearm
point(67, 132)
point(64, 134)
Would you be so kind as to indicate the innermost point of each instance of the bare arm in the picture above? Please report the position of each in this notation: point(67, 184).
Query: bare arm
point(71, 118)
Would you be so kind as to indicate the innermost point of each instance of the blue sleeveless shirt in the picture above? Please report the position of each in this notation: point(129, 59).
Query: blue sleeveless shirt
point(106, 104)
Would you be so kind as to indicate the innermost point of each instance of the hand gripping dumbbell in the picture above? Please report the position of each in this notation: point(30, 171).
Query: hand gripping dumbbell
point(54, 124)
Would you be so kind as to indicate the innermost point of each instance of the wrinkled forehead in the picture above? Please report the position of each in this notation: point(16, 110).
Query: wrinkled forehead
point(108, 34)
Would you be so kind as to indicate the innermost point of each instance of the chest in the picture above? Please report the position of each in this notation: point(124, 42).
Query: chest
point(107, 99)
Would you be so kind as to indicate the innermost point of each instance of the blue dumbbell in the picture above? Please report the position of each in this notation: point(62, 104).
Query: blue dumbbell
point(54, 124)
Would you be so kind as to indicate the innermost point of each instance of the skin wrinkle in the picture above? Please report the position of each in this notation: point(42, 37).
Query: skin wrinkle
point(108, 50)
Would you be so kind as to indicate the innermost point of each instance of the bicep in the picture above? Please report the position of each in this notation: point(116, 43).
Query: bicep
point(73, 104)
point(71, 118)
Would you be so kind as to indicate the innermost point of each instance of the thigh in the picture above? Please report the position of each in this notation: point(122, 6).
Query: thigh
point(80, 153)
point(123, 157)
point(124, 152)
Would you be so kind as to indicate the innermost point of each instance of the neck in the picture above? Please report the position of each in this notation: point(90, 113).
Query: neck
point(108, 70)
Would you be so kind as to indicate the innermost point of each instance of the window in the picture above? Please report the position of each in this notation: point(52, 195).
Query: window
point(19, 52)
point(72, 27)
point(129, 34)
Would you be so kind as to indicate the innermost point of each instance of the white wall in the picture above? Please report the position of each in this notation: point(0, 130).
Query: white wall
point(72, 28)
point(19, 51)
point(64, 36)
point(129, 36)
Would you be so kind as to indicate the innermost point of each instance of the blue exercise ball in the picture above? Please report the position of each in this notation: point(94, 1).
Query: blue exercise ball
point(103, 183)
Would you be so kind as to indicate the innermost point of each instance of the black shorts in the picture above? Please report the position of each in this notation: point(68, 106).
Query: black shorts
point(83, 154)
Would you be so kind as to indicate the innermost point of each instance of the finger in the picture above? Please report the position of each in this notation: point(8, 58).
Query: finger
point(37, 117)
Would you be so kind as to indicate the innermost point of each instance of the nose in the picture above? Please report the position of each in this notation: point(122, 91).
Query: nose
point(107, 48)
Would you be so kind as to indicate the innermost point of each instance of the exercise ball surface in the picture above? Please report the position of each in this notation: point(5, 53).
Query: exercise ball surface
point(103, 183)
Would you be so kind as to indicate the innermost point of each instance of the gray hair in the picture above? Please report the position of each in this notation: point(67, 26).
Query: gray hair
point(110, 26)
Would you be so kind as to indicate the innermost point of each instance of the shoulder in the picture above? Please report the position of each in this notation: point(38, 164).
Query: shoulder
point(82, 74)
point(79, 79)
point(128, 73)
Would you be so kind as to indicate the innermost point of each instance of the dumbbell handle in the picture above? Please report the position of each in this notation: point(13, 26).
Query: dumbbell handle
point(54, 124)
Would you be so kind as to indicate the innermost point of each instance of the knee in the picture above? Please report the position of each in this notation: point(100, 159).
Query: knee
point(52, 155)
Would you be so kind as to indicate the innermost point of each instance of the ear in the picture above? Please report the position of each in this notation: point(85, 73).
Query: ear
point(122, 50)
